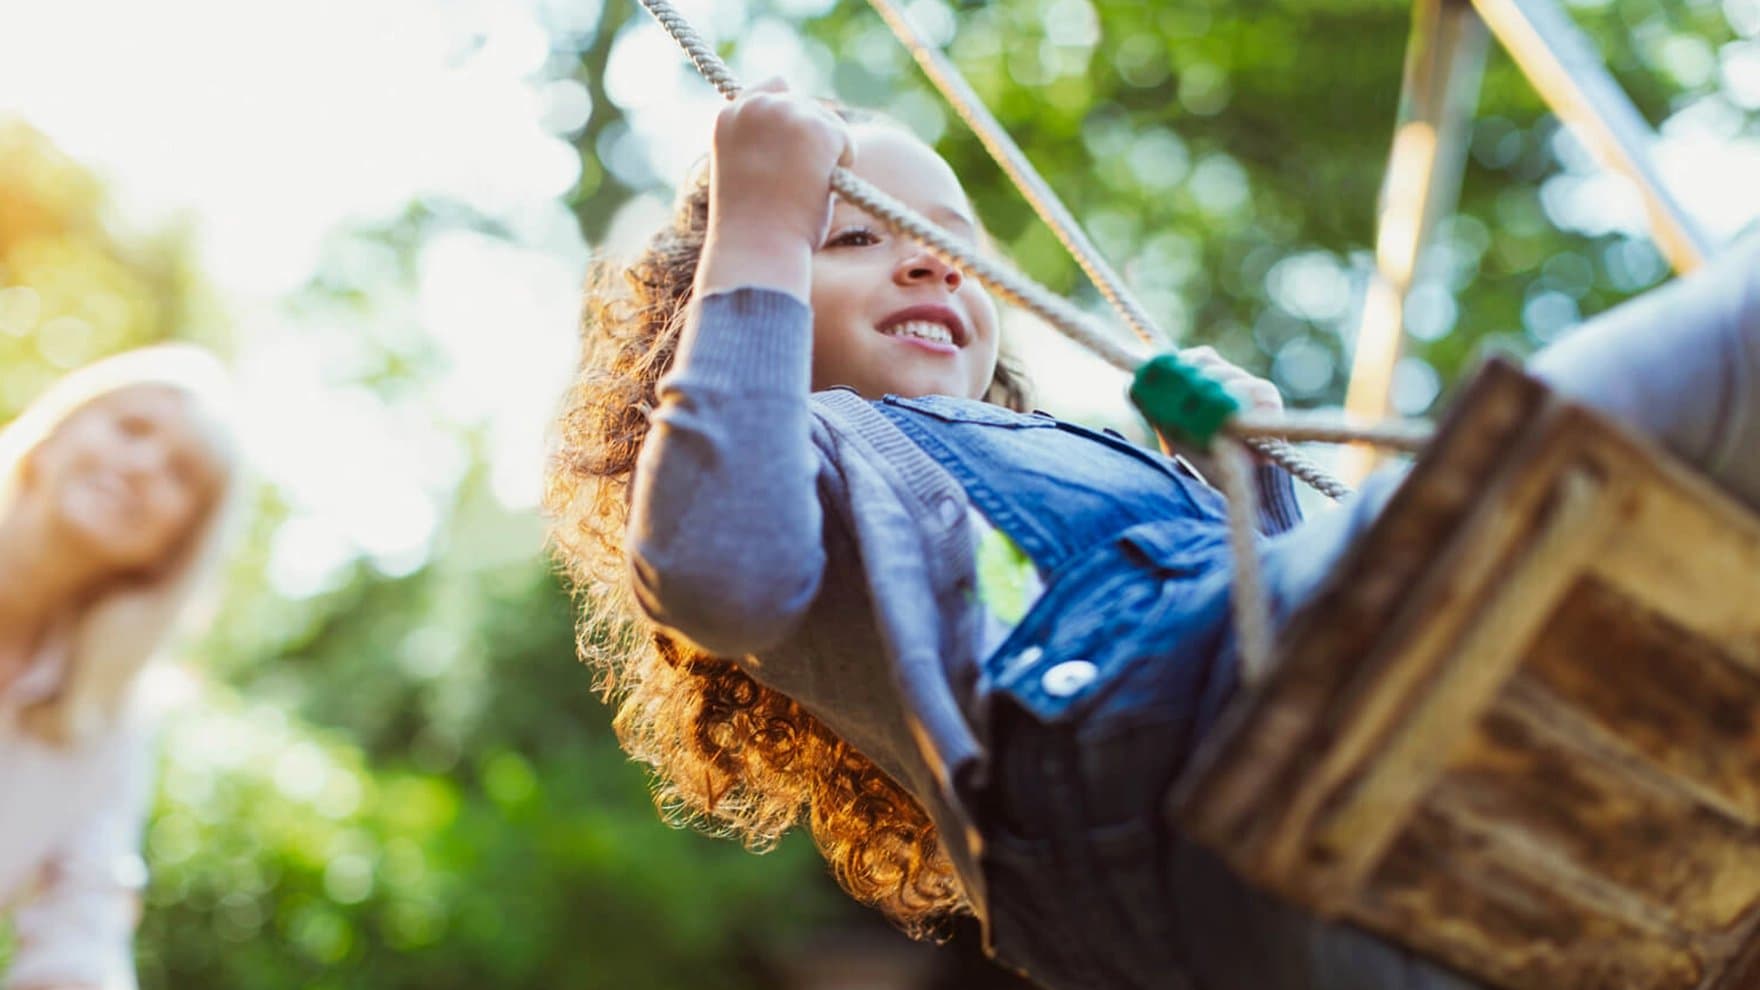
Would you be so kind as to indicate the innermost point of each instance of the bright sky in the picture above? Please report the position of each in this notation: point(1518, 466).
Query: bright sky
point(274, 125)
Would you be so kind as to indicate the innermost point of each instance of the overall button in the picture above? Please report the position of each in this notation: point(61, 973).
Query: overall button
point(1068, 677)
point(948, 509)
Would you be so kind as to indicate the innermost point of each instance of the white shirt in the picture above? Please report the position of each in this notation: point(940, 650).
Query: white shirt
point(70, 834)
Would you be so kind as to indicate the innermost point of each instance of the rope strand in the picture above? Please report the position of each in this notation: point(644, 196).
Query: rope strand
point(1004, 280)
point(1051, 211)
point(1269, 436)
point(1396, 434)
point(1020, 171)
point(1251, 607)
point(709, 65)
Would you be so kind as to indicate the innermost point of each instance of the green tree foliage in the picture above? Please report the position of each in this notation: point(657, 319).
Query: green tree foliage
point(495, 837)
point(71, 288)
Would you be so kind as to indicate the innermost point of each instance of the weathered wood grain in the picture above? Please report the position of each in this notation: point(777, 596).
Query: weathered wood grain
point(1520, 729)
point(1507, 924)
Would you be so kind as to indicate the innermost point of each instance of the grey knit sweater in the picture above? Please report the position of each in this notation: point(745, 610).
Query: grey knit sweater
point(804, 533)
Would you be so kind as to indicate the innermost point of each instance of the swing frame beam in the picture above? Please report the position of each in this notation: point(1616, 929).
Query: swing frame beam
point(1445, 57)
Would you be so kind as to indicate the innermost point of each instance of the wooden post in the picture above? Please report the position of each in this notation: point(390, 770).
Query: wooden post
point(1445, 58)
point(1571, 78)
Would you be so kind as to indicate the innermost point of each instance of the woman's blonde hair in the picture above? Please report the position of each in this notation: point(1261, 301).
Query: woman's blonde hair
point(727, 753)
point(115, 635)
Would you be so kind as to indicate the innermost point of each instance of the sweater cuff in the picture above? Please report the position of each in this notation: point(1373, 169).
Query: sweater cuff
point(1279, 510)
point(748, 340)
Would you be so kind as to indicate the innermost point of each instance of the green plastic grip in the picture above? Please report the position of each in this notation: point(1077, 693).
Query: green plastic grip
point(1182, 402)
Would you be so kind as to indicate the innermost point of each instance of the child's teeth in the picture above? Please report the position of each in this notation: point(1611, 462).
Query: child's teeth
point(924, 330)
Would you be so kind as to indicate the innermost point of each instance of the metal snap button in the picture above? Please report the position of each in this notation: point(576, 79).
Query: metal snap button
point(948, 508)
point(1068, 677)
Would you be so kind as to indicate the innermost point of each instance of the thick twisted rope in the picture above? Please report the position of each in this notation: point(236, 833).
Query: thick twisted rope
point(709, 64)
point(1020, 171)
point(1249, 603)
point(1051, 211)
point(1268, 436)
point(1007, 283)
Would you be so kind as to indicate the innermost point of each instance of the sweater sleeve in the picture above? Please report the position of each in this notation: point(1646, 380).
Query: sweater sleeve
point(78, 928)
point(725, 544)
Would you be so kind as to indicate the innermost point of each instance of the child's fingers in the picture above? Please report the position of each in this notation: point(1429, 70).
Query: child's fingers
point(840, 133)
point(1252, 391)
point(1256, 393)
point(771, 155)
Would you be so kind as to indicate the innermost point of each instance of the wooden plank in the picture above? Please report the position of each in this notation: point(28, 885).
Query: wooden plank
point(1507, 925)
point(1370, 791)
point(1518, 731)
point(1627, 844)
point(1664, 693)
point(1263, 748)
point(1692, 552)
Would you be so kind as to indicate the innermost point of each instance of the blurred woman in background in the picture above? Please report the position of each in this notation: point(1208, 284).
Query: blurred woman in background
point(114, 491)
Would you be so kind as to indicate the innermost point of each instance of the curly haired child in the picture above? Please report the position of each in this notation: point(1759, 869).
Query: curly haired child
point(840, 575)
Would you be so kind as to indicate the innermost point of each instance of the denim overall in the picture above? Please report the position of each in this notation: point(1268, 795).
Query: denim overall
point(1095, 702)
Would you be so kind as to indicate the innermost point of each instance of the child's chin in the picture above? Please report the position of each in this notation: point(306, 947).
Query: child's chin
point(917, 387)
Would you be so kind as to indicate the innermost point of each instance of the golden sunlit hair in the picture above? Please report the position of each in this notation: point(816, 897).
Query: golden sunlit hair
point(728, 755)
point(119, 631)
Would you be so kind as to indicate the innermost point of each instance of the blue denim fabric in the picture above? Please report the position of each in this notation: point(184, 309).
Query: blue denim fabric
point(1095, 702)
point(1057, 489)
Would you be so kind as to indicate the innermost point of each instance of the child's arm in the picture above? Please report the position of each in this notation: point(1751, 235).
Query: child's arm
point(725, 541)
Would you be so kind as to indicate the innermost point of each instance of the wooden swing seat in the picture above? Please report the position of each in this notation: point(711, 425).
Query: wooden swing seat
point(1519, 731)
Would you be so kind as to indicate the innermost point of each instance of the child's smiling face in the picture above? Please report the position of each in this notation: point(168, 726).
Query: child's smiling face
point(888, 316)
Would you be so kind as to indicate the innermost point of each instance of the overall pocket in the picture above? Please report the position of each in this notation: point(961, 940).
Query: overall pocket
point(1068, 649)
point(1149, 598)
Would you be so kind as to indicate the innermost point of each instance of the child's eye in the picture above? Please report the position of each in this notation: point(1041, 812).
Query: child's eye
point(853, 237)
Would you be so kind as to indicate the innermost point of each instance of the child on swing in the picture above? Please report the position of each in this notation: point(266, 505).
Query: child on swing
point(971, 646)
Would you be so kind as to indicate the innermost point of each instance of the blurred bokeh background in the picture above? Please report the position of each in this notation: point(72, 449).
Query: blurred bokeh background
point(385, 768)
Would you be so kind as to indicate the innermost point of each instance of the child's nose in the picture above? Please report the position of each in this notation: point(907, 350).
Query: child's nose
point(925, 267)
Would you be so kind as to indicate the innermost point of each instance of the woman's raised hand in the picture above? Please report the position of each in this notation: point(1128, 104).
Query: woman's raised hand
point(770, 189)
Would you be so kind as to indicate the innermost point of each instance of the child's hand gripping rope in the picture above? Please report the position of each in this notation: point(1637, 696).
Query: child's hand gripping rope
point(770, 169)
